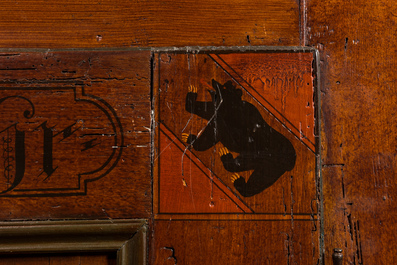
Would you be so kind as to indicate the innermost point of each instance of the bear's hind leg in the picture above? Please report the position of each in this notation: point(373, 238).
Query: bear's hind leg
point(262, 178)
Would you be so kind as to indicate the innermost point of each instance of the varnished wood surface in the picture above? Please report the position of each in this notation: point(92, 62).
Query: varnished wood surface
point(101, 167)
point(234, 242)
point(357, 45)
point(122, 23)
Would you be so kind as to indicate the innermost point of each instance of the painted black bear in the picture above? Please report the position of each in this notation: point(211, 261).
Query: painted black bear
point(239, 126)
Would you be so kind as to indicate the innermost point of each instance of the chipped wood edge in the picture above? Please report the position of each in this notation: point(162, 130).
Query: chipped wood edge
point(155, 133)
point(127, 237)
point(319, 176)
point(185, 49)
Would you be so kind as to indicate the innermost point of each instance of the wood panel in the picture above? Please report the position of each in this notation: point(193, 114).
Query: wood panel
point(220, 96)
point(194, 179)
point(234, 242)
point(358, 49)
point(75, 130)
point(123, 23)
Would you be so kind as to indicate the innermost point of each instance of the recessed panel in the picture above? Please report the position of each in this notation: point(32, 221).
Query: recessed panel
point(75, 135)
point(236, 135)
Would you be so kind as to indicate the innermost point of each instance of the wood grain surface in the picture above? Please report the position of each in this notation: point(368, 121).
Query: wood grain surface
point(123, 23)
point(357, 45)
point(234, 242)
point(75, 135)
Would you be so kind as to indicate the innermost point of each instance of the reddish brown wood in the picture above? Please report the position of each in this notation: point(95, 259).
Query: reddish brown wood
point(282, 83)
point(197, 182)
point(234, 242)
point(359, 135)
point(104, 100)
point(148, 23)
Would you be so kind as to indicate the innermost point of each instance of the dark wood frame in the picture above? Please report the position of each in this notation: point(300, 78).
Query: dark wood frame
point(127, 237)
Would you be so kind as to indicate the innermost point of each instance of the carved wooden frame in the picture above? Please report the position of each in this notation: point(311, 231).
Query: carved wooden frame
point(127, 237)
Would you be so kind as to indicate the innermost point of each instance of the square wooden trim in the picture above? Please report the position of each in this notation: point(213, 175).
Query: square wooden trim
point(127, 237)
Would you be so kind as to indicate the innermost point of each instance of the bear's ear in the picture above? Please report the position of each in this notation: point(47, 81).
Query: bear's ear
point(215, 84)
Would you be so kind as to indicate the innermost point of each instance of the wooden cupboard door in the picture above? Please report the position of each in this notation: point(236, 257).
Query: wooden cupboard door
point(356, 44)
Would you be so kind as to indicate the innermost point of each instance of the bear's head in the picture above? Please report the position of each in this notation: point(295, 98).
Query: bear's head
point(225, 93)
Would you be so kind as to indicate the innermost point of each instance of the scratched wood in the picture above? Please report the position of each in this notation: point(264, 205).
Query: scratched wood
point(359, 136)
point(194, 180)
point(148, 23)
point(75, 135)
point(234, 242)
